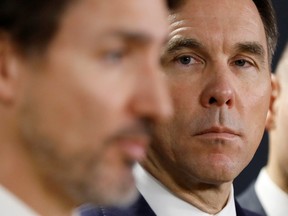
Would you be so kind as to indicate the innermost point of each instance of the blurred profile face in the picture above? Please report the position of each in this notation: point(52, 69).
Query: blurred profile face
point(86, 104)
point(278, 146)
point(217, 68)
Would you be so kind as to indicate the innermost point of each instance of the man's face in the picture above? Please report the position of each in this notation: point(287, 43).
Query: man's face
point(83, 105)
point(278, 145)
point(217, 69)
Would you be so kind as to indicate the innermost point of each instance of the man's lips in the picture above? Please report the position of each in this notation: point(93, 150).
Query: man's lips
point(216, 132)
point(134, 147)
point(133, 140)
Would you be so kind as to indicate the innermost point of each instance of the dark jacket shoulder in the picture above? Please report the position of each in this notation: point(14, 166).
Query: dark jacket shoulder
point(240, 211)
point(139, 208)
point(249, 200)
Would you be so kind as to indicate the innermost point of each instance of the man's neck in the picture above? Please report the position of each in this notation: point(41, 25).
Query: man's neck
point(19, 176)
point(210, 198)
point(205, 197)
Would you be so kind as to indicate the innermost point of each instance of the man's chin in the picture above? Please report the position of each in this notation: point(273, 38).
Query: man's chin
point(123, 199)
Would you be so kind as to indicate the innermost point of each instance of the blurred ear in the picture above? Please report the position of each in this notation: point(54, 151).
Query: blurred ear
point(270, 121)
point(7, 70)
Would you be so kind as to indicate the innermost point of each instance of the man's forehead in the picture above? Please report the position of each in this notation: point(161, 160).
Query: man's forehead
point(209, 25)
point(199, 9)
point(104, 19)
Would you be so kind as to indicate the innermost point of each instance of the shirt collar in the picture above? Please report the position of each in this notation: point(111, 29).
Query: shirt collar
point(11, 205)
point(164, 203)
point(272, 198)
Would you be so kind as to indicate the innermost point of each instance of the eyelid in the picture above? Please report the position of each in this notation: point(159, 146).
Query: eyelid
point(114, 56)
point(114, 53)
point(196, 58)
point(248, 60)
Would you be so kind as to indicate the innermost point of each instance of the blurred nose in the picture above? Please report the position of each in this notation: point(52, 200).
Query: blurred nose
point(219, 90)
point(151, 97)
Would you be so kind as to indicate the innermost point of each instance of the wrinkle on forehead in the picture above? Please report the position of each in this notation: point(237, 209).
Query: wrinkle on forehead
point(217, 20)
point(244, 8)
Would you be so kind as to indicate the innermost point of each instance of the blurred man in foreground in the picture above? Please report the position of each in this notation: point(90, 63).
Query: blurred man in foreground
point(80, 83)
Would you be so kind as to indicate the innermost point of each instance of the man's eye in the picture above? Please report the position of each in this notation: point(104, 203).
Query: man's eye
point(114, 56)
point(186, 60)
point(241, 62)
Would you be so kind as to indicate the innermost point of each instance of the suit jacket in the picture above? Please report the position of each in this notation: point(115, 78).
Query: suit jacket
point(142, 208)
point(250, 200)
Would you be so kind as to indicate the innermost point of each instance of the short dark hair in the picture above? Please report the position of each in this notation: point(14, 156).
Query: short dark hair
point(31, 24)
point(268, 17)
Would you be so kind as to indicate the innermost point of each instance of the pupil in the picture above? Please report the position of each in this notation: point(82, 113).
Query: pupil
point(185, 60)
point(240, 62)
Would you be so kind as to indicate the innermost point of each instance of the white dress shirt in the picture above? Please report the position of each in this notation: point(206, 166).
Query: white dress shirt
point(271, 197)
point(164, 203)
point(10, 205)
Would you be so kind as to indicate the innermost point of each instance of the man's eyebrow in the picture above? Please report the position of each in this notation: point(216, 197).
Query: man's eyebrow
point(131, 36)
point(253, 48)
point(180, 43)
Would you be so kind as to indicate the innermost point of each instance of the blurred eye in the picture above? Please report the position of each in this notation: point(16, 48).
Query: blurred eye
point(114, 56)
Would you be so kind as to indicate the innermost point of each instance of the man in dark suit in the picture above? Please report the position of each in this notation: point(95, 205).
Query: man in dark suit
point(217, 63)
point(269, 193)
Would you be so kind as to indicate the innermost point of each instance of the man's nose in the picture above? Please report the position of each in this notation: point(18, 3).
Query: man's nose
point(151, 98)
point(219, 90)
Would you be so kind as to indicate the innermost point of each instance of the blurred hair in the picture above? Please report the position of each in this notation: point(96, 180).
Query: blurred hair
point(31, 24)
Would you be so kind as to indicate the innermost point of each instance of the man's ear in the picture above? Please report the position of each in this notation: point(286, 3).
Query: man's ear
point(8, 72)
point(270, 120)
